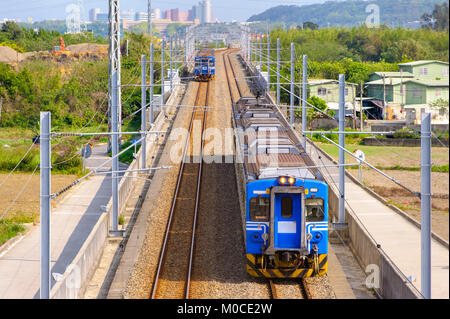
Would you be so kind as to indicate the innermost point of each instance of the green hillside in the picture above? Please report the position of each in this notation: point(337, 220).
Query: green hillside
point(405, 13)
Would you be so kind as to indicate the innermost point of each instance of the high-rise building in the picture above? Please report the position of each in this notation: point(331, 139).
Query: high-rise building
point(103, 17)
point(207, 12)
point(141, 16)
point(129, 15)
point(93, 14)
point(157, 13)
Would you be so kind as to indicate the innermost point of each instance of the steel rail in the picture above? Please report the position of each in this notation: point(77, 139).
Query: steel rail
point(272, 290)
point(228, 78)
point(234, 76)
point(174, 201)
point(304, 288)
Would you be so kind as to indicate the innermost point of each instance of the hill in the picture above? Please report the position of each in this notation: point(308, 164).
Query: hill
point(349, 13)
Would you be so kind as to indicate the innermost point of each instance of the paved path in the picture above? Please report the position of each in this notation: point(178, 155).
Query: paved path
point(399, 238)
point(71, 222)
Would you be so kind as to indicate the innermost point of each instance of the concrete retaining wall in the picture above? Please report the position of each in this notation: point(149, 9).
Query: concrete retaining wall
point(393, 284)
point(77, 275)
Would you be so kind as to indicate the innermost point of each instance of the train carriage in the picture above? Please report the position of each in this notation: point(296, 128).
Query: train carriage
point(205, 68)
point(286, 198)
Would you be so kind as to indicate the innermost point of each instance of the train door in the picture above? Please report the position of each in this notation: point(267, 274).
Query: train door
point(287, 221)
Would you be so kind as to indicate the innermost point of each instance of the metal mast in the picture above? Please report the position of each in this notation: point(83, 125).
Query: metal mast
point(114, 102)
point(149, 28)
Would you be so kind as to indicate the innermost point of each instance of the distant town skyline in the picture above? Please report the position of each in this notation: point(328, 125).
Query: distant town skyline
point(229, 10)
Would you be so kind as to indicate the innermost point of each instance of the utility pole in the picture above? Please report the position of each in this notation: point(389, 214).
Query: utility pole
point(292, 83)
point(426, 205)
point(144, 110)
point(304, 98)
point(115, 104)
point(341, 149)
point(278, 72)
point(45, 203)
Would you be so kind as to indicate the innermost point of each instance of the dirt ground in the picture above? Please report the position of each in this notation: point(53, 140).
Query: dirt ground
point(28, 202)
point(408, 202)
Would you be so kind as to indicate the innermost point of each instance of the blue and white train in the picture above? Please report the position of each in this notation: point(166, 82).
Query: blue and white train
point(205, 68)
point(284, 197)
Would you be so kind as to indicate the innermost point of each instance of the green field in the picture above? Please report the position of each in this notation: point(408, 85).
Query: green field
point(392, 157)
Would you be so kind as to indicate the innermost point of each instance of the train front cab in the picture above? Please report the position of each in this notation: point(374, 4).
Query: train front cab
point(205, 69)
point(282, 241)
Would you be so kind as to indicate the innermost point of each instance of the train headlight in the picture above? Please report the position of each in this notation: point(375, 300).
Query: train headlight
point(284, 180)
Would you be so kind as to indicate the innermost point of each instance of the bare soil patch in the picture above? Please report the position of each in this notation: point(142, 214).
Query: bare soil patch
point(28, 203)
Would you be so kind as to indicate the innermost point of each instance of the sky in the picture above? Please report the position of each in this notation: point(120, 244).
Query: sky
point(224, 10)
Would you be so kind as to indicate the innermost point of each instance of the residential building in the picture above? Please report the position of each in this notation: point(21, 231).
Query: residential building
point(416, 86)
point(328, 90)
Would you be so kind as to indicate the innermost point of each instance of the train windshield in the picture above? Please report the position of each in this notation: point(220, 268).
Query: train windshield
point(314, 210)
point(259, 209)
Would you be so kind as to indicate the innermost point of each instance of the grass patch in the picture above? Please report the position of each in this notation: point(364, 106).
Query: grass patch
point(9, 229)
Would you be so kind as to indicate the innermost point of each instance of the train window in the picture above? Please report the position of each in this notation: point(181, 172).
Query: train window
point(286, 207)
point(259, 209)
point(314, 210)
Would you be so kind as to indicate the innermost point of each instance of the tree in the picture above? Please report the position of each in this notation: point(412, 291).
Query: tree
point(438, 19)
point(13, 30)
point(310, 25)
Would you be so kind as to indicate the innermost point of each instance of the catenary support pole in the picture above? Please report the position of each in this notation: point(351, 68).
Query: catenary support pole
point(151, 83)
point(162, 71)
point(268, 58)
point(251, 51)
point(292, 83)
point(341, 149)
point(304, 99)
point(144, 110)
point(115, 106)
point(115, 163)
point(45, 204)
point(260, 53)
point(426, 205)
point(171, 64)
point(278, 71)
point(149, 19)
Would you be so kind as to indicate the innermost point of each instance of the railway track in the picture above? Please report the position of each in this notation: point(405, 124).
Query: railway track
point(173, 275)
point(302, 289)
point(230, 73)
